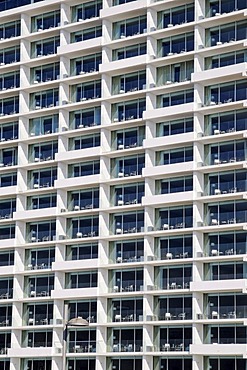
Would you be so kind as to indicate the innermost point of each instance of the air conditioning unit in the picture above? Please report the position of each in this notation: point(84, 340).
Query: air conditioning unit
point(63, 210)
point(61, 237)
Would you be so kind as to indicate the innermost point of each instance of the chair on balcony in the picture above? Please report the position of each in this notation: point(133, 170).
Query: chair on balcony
point(168, 316)
point(215, 315)
point(118, 318)
point(169, 256)
point(30, 321)
point(214, 222)
point(166, 347)
point(214, 252)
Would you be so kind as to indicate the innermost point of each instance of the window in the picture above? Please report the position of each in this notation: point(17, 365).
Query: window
point(45, 47)
point(8, 157)
point(9, 106)
point(175, 308)
point(42, 178)
point(45, 21)
point(89, 90)
point(226, 182)
point(127, 309)
point(85, 309)
point(128, 251)
point(10, 55)
point(7, 258)
point(226, 213)
point(175, 247)
point(226, 59)
point(82, 252)
point(175, 16)
point(82, 280)
point(129, 82)
point(176, 363)
point(9, 30)
point(175, 338)
point(229, 32)
point(178, 72)
point(128, 223)
point(38, 364)
point(86, 34)
point(228, 152)
point(44, 99)
point(38, 259)
point(174, 185)
point(7, 232)
point(39, 286)
point(43, 151)
point(128, 110)
point(85, 169)
point(84, 142)
point(6, 288)
point(9, 81)
point(9, 131)
point(175, 127)
point(128, 281)
point(83, 199)
point(86, 64)
point(175, 218)
point(129, 51)
point(85, 227)
point(216, 7)
point(41, 232)
point(6, 4)
point(226, 334)
point(9, 179)
point(178, 277)
point(45, 73)
point(222, 123)
point(128, 138)
point(43, 125)
point(168, 100)
point(7, 207)
point(81, 341)
point(128, 166)
point(85, 118)
point(224, 271)
point(85, 363)
point(127, 340)
point(87, 10)
point(39, 314)
point(226, 93)
point(39, 338)
point(225, 243)
point(129, 194)
point(176, 44)
point(126, 363)
point(227, 306)
point(5, 343)
point(173, 156)
point(118, 2)
point(5, 315)
point(225, 363)
point(129, 27)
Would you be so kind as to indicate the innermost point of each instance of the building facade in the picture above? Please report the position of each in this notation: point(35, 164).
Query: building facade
point(123, 184)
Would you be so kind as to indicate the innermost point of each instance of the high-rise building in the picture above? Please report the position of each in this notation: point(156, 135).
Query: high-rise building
point(123, 185)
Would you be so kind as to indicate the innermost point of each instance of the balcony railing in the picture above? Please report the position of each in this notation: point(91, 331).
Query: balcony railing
point(82, 346)
point(127, 346)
